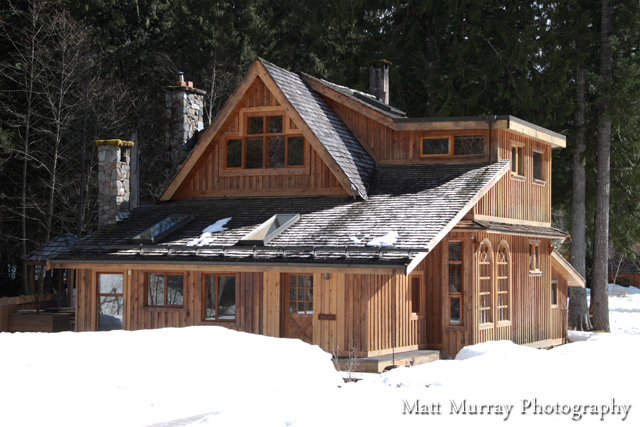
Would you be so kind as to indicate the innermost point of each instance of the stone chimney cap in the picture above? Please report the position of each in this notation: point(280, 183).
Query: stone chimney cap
point(114, 142)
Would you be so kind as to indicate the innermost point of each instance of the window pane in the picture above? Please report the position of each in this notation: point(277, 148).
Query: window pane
point(275, 149)
point(174, 290)
point(309, 294)
point(210, 296)
point(468, 145)
point(295, 151)
point(309, 308)
point(309, 281)
point(254, 153)
point(455, 310)
point(292, 307)
point(109, 313)
point(227, 297)
point(514, 159)
point(155, 289)
point(415, 294)
point(292, 294)
point(274, 124)
point(455, 251)
point(301, 308)
point(455, 280)
point(435, 146)
point(300, 294)
point(110, 283)
point(255, 125)
point(234, 153)
point(537, 165)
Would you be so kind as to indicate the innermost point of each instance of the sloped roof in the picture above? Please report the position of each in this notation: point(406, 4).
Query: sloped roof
point(334, 135)
point(420, 203)
point(51, 248)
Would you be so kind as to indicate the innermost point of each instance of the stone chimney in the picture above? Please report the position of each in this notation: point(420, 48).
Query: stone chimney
point(184, 111)
point(379, 79)
point(114, 172)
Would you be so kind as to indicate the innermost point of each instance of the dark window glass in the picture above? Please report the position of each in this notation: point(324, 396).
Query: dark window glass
point(275, 147)
point(455, 279)
point(155, 289)
point(554, 293)
point(255, 125)
point(415, 294)
point(468, 145)
point(514, 159)
point(435, 146)
point(234, 153)
point(174, 290)
point(295, 151)
point(537, 165)
point(455, 310)
point(254, 153)
point(227, 297)
point(274, 124)
point(455, 251)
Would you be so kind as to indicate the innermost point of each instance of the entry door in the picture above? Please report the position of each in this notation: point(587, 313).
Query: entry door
point(298, 307)
point(110, 301)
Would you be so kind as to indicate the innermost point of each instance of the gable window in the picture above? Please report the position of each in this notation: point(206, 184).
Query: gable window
point(416, 294)
point(220, 297)
point(517, 158)
point(554, 292)
point(455, 282)
point(503, 283)
point(265, 146)
point(458, 145)
point(485, 267)
point(534, 257)
point(165, 290)
point(538, 170)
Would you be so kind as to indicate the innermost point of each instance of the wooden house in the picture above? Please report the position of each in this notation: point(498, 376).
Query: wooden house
point(310, 210)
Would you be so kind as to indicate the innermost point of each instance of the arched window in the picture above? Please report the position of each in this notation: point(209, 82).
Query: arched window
point(503, 283)
point(485, 282)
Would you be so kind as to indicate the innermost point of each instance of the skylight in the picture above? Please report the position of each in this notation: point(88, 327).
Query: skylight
point(268, 230)
point(162, 229)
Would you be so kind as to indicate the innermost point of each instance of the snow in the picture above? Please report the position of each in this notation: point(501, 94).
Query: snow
point(218, 377)
point(206, 238)
point(388, 239)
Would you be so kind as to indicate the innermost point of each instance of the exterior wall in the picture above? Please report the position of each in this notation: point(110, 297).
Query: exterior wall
point(209, 178)
point(519, 198)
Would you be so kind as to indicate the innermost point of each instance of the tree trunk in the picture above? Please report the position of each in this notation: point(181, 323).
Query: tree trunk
point(599, 288)
point(578, 308)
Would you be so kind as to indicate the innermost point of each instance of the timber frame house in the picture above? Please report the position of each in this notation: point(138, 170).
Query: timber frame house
point(310, 210)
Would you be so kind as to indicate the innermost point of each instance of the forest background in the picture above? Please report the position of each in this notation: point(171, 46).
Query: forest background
point(75, 71)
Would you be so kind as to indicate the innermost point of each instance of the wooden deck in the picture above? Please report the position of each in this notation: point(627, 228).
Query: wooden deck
point(377, 364)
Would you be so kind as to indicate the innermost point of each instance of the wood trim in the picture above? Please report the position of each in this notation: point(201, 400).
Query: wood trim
point(566, 270)
point(512, 221)
point(295, 192)
point(302, 125)
point(209, 134)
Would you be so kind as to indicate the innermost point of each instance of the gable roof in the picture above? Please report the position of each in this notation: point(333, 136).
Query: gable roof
point(421, 203)
point(322, 127)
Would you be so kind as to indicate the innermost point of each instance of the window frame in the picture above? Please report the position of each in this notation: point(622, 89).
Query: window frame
point(296, 301)
point(165, 305)
point(286, 133)
point(534, 257)
point(541, 152)
point(485, 245)
point(455, 295)
point(553, 293)
point(451, 148)
point(216, 289)
point(109, 294)
point(419, 297)
point(503, 247)
point(519, 160)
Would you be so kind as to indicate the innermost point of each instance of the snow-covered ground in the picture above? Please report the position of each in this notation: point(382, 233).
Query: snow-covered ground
point(233, 379)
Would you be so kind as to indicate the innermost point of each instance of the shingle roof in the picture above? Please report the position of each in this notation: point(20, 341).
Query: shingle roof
point(366, 99)
point(51, 248)
point(334, 135)
point(417, 202)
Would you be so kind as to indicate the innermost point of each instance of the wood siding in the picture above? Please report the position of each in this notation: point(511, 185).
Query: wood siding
point(209, 178)
point(519, 198)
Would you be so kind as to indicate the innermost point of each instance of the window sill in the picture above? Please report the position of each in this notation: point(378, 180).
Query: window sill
point(164, 309)
point(220, 321)
point(535, 273)
point(518, 177)
point(503, 323)
point(540, 182)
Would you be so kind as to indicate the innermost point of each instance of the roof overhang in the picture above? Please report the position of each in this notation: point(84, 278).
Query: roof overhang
point(566, 270)
point(493, 227)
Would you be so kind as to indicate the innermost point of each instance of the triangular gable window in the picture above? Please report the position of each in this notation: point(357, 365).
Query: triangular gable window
point(161, 229)
point(268, 230)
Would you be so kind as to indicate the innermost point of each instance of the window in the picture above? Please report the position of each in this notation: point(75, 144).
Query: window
point(110, 308)
point(300, 294)
point(265, 145)
point(554, 292)
point(455, 282)
point(161, 229)
point(220, 297)
point(517, 158)
point(537, 164)
point(503, 283)
point(416, 294)
point(534, 257)
point(485, 267)
point(269, 230)
point(459, 145)
point(165, 290)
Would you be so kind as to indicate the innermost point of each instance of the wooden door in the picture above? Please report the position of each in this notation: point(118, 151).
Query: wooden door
point(298, 307)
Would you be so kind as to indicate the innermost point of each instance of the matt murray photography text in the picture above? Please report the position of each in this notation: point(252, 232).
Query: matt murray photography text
point(527, 407)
